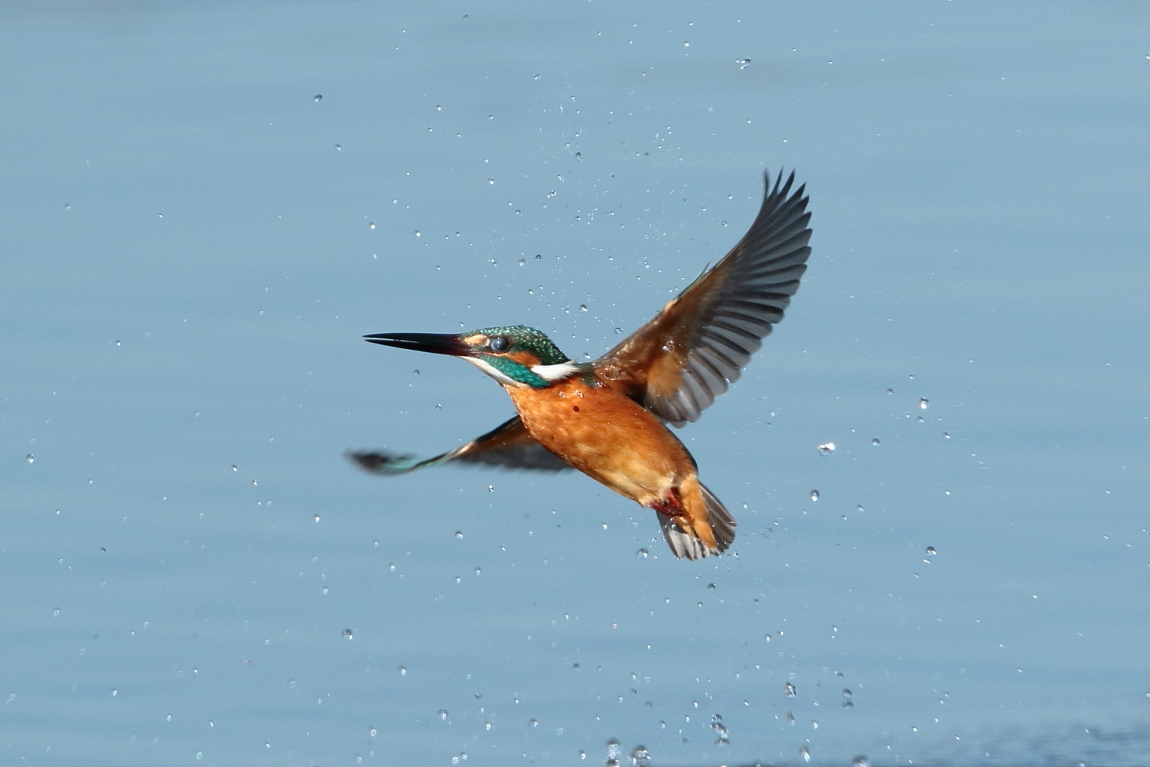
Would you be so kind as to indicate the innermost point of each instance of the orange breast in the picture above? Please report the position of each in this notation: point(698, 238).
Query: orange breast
point(606, 435)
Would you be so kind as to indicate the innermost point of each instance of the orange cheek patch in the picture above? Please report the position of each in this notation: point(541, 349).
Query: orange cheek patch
point(524, 358)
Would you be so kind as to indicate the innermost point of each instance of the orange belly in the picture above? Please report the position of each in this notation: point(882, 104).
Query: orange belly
point(607, 436)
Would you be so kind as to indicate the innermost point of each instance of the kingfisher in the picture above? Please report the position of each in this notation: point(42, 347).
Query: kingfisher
point(608, 418)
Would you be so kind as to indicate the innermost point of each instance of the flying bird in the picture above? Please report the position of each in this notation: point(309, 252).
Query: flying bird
point(608, 418)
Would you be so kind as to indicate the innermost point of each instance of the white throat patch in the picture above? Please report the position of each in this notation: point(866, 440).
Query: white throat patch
point(558, 372)
point(549, 373)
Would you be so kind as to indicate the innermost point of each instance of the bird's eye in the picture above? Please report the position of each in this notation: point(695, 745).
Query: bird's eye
point(499, 344)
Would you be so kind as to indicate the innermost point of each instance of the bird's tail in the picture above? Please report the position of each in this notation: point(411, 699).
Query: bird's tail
point(687, 534)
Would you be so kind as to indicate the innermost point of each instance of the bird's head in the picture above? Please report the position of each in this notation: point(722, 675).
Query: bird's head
point(514, 356)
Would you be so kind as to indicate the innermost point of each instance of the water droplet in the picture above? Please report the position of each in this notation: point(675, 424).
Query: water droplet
point(67, 206)
point(790, 690)
point(946, 435)
point(686, 44)
point(318, 97)
point(55, 612)
point(860, 761)
point(814, 495)
point(523, 262)
point(442, 713)
point(458, 533)
point(490, 181)
point(315, 517)
point(743, 63)
point(640, 757)
point(641, 554)
point(371, 732)
point(805, 753)
point(721, 729)
point(826, 448)
point(29, 458)
point(115, 692)
point(370, 224)
point(234, 467)
point(922, 403)
point(403, 670)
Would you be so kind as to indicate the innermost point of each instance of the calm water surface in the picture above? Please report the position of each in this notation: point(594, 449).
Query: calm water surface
point(206, 205)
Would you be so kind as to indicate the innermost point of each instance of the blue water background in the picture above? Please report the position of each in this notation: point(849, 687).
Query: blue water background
point(203, 206)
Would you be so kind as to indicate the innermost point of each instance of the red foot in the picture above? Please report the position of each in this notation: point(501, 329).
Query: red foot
point(670, 506)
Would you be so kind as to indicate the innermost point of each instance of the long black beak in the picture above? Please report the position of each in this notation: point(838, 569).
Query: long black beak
point(436, 343)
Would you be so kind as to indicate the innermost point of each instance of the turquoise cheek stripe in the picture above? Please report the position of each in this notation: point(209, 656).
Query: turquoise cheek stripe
point(516, 372)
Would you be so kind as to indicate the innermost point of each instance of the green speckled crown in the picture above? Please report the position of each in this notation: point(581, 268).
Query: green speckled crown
point(528, 339)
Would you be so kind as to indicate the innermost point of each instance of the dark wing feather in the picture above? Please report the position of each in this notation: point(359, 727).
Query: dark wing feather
point(682, 359)
point(509, 446)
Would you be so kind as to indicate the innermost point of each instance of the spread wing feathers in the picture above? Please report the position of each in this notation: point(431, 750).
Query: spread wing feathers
point(509, 446)
point(684, 544)
point(677, 363)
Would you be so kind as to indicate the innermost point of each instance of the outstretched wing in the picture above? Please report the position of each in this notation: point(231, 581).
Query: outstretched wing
point(677, 363)
point(508, 445)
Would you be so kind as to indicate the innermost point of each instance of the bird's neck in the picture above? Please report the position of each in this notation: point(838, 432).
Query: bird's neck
point(512, 373)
